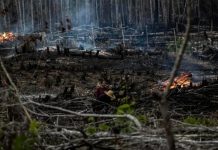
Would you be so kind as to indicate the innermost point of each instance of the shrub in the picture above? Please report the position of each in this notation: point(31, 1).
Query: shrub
point(200, 121)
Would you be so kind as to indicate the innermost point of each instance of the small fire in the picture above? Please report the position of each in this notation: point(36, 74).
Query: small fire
point(182, 81)
point(6, 36)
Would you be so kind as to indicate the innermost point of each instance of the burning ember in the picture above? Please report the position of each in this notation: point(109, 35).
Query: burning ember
point(6, 36)
point(182, 81)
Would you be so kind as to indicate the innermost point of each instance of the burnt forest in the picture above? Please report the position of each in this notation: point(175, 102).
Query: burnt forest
point(108, 74)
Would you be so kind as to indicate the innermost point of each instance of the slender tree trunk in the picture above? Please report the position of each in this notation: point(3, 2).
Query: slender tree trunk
point(170, 21)
point(179, 9)
point(97, 14)
point(4, 16)
point(17, 11)
point(117, 13)
point(199, 16)
point(212, 15)
point(23, 14)
point(165, 14)
point(112, 13)
point(156, 12)
point(50, 15)
point(151, 9)
point(61, 12)
point(123, 15)
point(32, 17)
point(20, 15)
point(173, 11)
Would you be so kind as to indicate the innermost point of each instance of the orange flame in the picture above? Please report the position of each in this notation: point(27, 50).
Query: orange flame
point(182, 81)
point(6, 36)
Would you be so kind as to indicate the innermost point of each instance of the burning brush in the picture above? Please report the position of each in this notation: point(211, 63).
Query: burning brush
point(184, 80)
point(6, 36)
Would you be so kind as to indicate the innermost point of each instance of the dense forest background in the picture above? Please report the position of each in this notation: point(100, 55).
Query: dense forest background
point(36, 15)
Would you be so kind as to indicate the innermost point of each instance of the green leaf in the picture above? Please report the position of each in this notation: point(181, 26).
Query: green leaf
point(22, 142)
point(124, 109)
point(1, 147)
point(201, 121)
point(91, 130)
point(34, 127)
point(104, 127)
point(143, 119)
point(91, 119)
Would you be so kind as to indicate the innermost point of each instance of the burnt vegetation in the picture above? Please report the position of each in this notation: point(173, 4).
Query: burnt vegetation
point(108, 74)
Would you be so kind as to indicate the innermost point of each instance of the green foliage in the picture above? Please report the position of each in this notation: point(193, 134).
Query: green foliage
point(201, 121)
point(125, 109)
point(104, 127)
point(91, 130)
point(142, 118)
point(124, 124)
point(91, 119)
point(34, 127)
point(23, 142)
point(26, 140)
point(171, 47)
point(179, 41)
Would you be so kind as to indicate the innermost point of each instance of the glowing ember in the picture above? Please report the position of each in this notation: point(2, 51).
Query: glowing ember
point(182, 81)
point(6, 36)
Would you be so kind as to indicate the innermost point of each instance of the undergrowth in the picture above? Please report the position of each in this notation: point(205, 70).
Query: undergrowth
point(201, 121)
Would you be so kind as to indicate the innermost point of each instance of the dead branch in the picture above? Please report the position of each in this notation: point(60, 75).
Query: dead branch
point(130, 117)
point(164, 102)
point(16, 90)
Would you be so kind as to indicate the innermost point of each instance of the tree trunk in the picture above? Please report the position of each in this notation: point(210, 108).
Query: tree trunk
point(199, 16)
point(212, 15)
point(170, 22)
point(151, 9)
point(156, 16)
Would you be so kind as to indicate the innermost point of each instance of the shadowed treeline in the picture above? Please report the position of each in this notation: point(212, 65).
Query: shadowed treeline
point(37, 15)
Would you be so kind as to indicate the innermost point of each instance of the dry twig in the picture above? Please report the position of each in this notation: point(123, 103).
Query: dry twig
point(16, 90)
point(130, 117)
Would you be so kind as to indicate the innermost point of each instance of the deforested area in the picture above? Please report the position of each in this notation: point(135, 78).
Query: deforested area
point(108, 74)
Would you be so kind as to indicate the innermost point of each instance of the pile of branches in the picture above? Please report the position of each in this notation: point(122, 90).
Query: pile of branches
point(196, 100)
point(64, 122)
point(63, 129)
point(209, 54)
